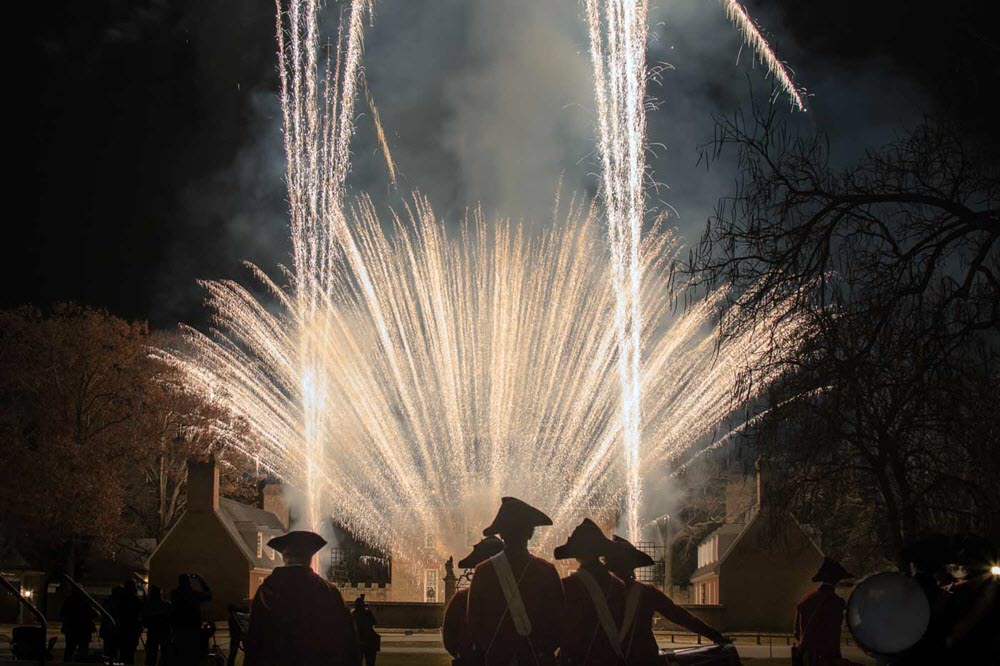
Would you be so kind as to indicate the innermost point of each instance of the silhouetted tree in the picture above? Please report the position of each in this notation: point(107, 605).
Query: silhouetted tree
point(95, 434)
point(894, 263)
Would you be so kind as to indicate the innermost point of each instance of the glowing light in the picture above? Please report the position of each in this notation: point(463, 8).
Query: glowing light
point(753, 37)
point(409, 375)
point(995, 570)
point(618, 51)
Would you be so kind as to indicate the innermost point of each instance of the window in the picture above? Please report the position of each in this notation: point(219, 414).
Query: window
point(260, 544)
point(431, 584)
point(708, 551)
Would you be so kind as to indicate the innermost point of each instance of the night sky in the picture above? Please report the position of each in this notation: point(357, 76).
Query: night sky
point(150, 150)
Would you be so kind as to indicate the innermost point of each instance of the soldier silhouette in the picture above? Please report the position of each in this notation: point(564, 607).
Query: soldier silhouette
point(454, 630)
point(515, 599)
point(819, 617)
point(297, 618)
point(595, 600)
point(642, 601)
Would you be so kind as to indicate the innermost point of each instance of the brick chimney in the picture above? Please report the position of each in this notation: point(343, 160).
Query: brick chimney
point(202, 484)
point(272, 498)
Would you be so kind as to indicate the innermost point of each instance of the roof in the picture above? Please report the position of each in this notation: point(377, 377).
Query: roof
point(740, 529)
point(244, 522)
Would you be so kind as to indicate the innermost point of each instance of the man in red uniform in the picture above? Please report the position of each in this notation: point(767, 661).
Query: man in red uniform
point(641, 602)
point(454, 631)
point(819, 617)
point(297, 618)
point(595, 601)
point(515, 599)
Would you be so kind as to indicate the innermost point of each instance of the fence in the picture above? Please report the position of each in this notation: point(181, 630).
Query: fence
point(656, 574)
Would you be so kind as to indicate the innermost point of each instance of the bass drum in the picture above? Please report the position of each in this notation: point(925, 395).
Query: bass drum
point(887, 614)
point(702, 655)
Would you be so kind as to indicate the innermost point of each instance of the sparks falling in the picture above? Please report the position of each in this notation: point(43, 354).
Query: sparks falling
point(462, 367)
point(408, 375)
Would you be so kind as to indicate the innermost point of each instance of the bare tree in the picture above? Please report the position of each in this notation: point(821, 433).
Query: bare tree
point(895, 263)
point(914, 225)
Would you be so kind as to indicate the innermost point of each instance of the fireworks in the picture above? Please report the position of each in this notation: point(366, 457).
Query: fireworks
point(753, 37)
point(462, 367)
point(618, 51)
point(408, 375)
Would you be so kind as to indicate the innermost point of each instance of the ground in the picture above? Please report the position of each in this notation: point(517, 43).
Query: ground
point(423, 647)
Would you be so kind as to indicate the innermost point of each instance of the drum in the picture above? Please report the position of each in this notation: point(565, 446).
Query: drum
point(701, 655)
point(887, 614)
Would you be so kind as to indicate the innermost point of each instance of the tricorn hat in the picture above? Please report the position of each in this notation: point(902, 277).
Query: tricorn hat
point(299, 542)
point(515, 513)
point(831, 572)
point(626, 556)
point(587, 540)
point(482, 551)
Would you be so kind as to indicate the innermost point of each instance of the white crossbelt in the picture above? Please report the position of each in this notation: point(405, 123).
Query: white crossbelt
point(604, 616)
point(518, 613)
point(631, 608)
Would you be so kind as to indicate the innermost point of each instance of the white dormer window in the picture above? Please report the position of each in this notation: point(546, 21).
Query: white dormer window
point(270, 554)
point(260, 544)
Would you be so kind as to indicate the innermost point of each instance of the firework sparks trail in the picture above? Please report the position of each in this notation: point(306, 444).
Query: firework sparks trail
point(380, 135)
point(753, 37)
point(407, 376)
point(506, 381)
point(618, 52)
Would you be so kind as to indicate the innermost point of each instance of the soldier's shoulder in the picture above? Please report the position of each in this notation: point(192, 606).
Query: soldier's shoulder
point(543, 565)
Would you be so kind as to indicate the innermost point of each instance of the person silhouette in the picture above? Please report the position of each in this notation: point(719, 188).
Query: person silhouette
point(128, 621)
point(156, 618)
point(297, 618)
point(189, 644)
point(237, 617)
point(454, 629)
point(368, 639)
point(642, 601)
point(78, 626)
point(819, 616)
point(109, 632)
point(515, 599)
point(595, 600)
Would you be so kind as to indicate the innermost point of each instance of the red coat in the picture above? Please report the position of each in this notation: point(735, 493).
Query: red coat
point(584, 641)
point(817, 623)
point(491, 627)
point(640, 646)
point(299, 619)
point(454, 630)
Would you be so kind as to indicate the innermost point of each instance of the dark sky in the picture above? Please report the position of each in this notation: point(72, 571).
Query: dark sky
point(149, 145)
